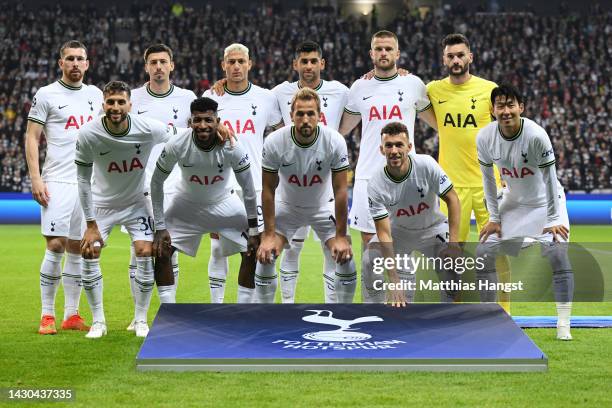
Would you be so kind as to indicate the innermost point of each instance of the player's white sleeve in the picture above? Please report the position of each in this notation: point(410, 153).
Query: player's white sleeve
point(422, 103)
point(340, 160)
point(242, 170)
point(376, 205)
point(441, 179)
point(275, 117)
point(546, 163)
point(84, 162)
point(165, 163)
point(488, 178)
point(161, 132)
point(39, 110)
point(269, 161)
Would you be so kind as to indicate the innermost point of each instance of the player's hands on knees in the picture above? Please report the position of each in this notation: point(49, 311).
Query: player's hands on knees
point(218, 87)
point(253, 245)
point(268, 248)
point(40, 192)
point(224, 133)
point(488, 230)
point(557, 231)
point(341, 250)
point(162, 244)
point(92, 242)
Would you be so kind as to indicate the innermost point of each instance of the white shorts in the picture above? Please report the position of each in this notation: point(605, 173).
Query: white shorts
point(167, 198)
point(260, 220)
point(63, 216)
point(359, 216)
point(427, 241)
point(290, 219)
point(136, 218)
point(188, 221)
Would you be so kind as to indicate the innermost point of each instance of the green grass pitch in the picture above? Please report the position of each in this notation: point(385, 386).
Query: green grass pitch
point(102, 373)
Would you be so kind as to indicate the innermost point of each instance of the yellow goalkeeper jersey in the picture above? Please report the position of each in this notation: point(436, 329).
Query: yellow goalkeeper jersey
point(461, 111)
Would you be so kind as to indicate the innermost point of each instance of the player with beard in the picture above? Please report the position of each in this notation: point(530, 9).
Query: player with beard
point(299, 164)
point(60, 109)
point(462, 105)
point(117, 146)
point(333, 95)
point(389, 97)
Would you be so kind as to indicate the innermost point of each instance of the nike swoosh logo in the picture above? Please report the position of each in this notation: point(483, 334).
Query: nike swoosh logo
point(287, 164)
point(103, 153)
point(441, 102)
point(496, 159)
point(367, 97)
point(141, 112)
point(187, 165)
point(62, 107)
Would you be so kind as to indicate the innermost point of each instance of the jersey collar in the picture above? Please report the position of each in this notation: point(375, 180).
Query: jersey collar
point(72, 88)
point(397, 181)
point(387, 79)
point(315, 89)
point(125, 132)
point(514, 137)
point(298, 144)
point(247, 89)
point(156, 95)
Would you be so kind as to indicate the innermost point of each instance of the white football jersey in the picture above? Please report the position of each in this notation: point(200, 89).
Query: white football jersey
point(119, 160)
point(62, 110)
point(380, 101)
point(519, 160)
point(172, 108)
point(305, 171)
point(205, 175)
point(248, 113)
point(332, 94)
point(411, 203)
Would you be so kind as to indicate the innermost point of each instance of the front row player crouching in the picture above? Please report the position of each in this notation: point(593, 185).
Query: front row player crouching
point(302, 160)
point(117, 146)
point(205, 200)
point(403, 201)
point(533, 204)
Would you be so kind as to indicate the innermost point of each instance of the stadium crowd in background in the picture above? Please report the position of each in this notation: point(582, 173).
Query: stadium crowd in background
point(562, 70)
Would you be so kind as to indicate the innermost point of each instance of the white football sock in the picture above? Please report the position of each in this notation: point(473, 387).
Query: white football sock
point(144, 284)
point(329, 276)
point(218, 266)
point(50, 276)
point(245, 295)
point(132, 272)
point(71, 279)
point(345, 281)
point(93, 285)
point(265, 283)
point(289, 270)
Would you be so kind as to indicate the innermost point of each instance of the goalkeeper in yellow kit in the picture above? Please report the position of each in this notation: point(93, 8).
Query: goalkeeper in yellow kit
point(462, 104)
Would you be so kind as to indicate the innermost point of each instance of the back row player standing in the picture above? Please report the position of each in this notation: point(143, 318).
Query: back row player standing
point(60, 109)
point(333, 95)
point(389, 97)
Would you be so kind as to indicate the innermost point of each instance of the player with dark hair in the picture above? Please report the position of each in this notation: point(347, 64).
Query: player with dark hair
point(205, 200)
point(404, 198)
point(300, 161)
point(160, 99)
point(333, 95)
point(59, 110)
point(116, 148)
point(533, 203)
point(389, 97)
point(462, 105)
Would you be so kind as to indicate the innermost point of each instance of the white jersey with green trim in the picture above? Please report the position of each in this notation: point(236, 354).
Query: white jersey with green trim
point(332, 94)
point(172, 108)
point(119, 160)
point(412, 203)
point(305, 171)
point(248, 113)
point(521, 160)
point(205, 175)
point(62, 110)
point(380, 101)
